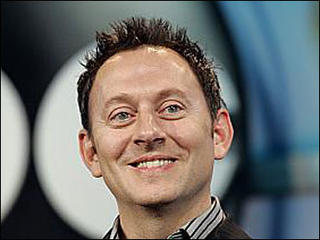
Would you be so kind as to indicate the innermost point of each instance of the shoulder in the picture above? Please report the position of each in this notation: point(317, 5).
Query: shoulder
point(227, 229)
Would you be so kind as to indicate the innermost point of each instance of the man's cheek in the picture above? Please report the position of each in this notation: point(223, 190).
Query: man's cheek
point(112, 145)
point(184, 134)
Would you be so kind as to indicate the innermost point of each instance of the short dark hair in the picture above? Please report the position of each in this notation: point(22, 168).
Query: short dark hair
point(134, 32)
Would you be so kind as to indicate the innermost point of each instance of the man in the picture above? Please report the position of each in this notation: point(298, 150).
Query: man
point(153, 124)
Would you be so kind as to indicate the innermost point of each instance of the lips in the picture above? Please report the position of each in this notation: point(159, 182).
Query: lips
point(152, 161)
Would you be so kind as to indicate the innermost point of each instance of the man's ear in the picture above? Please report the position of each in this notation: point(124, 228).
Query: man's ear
point(88, 153)
point(223, 134)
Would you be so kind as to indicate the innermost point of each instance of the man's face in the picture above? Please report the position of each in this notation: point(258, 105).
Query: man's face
point(151, 128)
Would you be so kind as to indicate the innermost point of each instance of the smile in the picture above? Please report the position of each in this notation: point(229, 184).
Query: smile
point(156, 163)
point(148, 162)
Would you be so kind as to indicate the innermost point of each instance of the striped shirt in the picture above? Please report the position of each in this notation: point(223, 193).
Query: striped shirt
point(198, 228)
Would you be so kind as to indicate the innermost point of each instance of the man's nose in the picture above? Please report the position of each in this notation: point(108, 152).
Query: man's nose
point(148, 132)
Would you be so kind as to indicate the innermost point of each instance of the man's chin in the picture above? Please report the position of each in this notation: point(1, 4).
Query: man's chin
point(156, 201)
point(155, 204)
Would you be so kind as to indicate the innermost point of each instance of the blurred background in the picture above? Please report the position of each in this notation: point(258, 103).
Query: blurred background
point(269, 53)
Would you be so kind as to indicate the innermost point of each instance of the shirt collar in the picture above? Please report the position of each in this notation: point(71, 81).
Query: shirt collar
point(199, 227)
point(115, 229)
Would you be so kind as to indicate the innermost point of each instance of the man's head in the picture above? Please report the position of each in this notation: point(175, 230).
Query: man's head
point(134, 32)
point(152, 117)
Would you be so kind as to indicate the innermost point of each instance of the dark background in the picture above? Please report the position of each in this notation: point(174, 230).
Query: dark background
point(30, 58)
point(37, 39)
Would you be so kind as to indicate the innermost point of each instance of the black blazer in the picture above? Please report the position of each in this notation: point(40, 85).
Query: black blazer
point(228, 230)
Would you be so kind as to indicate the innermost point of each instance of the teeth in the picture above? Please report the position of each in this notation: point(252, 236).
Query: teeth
point(155, 163)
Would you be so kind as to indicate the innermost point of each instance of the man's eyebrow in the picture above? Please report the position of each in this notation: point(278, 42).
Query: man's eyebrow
point(171, 92)
point(127, 98)
point(121, 97)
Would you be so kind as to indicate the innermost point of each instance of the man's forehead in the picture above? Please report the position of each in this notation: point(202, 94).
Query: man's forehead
point(149, 67)
point(146, 54)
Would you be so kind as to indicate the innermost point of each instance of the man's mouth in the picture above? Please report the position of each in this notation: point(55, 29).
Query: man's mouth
point(152, 162)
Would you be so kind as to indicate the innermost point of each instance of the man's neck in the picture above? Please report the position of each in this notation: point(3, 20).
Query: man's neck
point(140, 222)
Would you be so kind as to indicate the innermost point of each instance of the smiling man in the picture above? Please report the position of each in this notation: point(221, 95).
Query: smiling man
point(153, 124)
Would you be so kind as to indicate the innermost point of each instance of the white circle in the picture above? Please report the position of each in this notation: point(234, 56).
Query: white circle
point(14, 145)
point(81, 200)
point(84, 202)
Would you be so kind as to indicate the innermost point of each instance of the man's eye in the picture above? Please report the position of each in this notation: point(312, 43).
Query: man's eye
point(172, 109)
point(122, 116)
